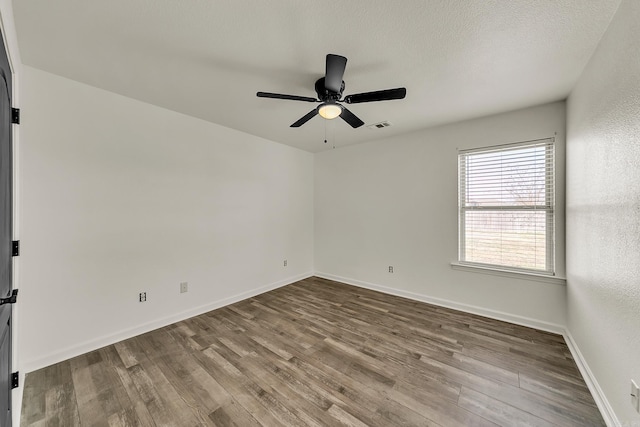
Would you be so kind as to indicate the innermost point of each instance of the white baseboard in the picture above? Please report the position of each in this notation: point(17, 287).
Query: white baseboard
point(96, 343)
point(598, 395)
point(481, 311)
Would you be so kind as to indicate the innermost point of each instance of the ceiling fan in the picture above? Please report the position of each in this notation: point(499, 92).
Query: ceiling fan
point(329, 89)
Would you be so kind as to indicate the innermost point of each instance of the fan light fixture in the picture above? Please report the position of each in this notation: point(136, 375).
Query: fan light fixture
point(329, 110)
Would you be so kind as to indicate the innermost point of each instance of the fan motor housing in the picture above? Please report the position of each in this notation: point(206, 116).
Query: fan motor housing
point(324, 94)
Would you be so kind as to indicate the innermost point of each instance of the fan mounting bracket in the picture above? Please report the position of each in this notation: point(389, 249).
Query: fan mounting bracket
point(324, 94)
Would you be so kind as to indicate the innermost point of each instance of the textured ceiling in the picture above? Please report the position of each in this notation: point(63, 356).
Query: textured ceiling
point(207, 58)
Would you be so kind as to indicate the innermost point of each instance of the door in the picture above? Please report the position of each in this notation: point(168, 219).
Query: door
point(6, 208)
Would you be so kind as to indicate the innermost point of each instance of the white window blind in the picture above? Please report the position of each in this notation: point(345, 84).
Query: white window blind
point(506, 206)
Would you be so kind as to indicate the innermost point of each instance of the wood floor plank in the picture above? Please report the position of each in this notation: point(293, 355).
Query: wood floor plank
point(319, 353)
point(525, 365)
point(304, 413)
point(233, 415)
point(124, 418)
point(158, 411)
point(236, 384)
point(440, 411)
point(197, 389)
point(497, 411)
point(35, 389)
point(363, 401)
point(344, 418)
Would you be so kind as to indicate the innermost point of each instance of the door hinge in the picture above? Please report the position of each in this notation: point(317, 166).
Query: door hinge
point(15, 380)
point(15, 116)
point(15, 248)
point(10, 300)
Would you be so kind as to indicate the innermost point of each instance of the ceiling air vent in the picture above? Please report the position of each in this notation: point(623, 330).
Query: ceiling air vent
point(379, 125)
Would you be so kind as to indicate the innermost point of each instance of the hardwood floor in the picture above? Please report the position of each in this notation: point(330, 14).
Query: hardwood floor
point(319, 353)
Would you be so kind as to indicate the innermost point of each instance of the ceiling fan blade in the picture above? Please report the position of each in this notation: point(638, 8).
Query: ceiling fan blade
point(305, 118)
point(378, 95)
point(282, 96)
point(334, 72)
point(351, 118)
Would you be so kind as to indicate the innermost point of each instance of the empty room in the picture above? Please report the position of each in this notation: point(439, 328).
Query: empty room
point(339, 213)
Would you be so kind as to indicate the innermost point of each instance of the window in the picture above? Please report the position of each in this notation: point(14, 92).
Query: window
point(506, 206)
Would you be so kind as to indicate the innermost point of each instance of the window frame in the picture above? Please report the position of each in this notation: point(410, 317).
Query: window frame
point(549, 207)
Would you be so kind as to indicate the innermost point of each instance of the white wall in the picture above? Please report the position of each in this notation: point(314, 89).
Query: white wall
point(394, 202)
point(603, 211)
point(120, 197)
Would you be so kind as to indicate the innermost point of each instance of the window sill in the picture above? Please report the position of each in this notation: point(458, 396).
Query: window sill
point(508, 273)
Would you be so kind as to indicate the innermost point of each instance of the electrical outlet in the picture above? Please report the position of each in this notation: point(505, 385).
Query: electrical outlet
point(143, 296)
point(635, 396)
point(184, 287)
point(391, 269)
point(285, 262)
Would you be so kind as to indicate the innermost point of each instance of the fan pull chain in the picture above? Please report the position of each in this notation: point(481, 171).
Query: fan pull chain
point(333, 136)
point(325, 131)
